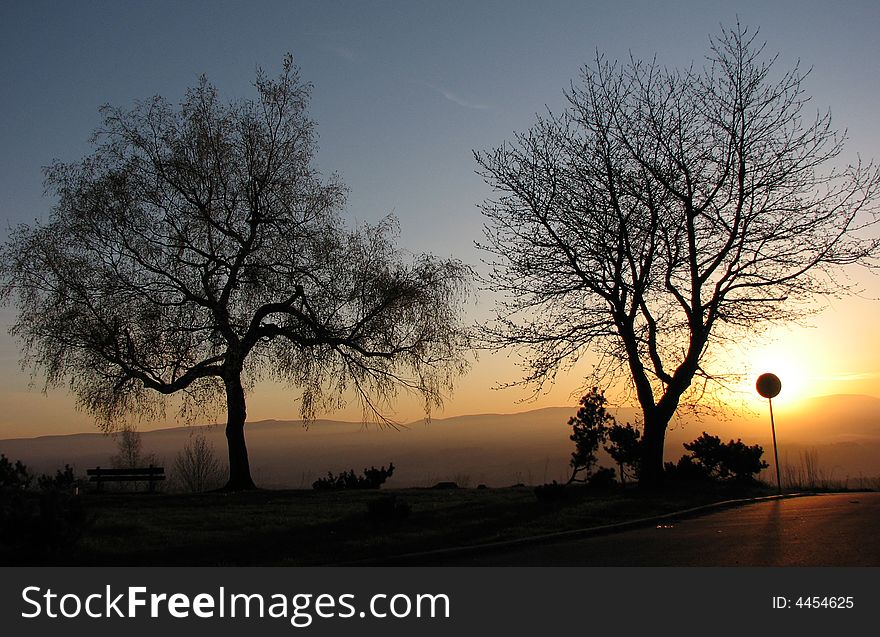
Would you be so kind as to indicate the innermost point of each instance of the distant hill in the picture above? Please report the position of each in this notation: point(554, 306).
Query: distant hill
point(495, 449)
point(838, 418)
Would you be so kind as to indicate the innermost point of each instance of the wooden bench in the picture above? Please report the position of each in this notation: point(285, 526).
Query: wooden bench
point(149, 474)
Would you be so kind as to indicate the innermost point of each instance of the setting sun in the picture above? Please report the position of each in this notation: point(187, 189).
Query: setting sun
point(793, 367)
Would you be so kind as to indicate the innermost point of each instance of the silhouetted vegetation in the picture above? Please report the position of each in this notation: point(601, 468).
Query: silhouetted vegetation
point(372, 478)
point(551, 492)
point(602, 478)
point(686, 470)
point(712, 459)
point(592, 426)
point(130, 450)
point(664, 214)
point(63, 480)
point(196, 467)
point(590, 429)
point(39, 525)
point(16, 477)
point(446, 484)
point(808, 474)
point(625, 448)
point(198, 248)
point(13, 476)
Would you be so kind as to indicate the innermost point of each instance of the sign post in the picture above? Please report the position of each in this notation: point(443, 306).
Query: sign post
point(769, 386)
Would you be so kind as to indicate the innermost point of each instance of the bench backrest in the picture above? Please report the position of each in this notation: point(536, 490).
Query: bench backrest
point(148, 472)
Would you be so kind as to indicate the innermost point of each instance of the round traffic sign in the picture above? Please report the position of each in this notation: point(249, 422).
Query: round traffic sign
point(768, 385)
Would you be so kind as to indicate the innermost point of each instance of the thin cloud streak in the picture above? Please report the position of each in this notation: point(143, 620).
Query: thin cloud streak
point(343, 53)
point(456, 99)
point(346, 54)
point(851, 377)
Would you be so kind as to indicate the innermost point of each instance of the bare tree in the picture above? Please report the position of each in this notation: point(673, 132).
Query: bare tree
point(196, 467)
point(130, 453)
point(197, 249)
point(665, 212)
point(130, 449)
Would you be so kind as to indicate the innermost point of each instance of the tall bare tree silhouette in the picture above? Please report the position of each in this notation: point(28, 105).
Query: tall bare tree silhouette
point(665, 211)
point(197, 249)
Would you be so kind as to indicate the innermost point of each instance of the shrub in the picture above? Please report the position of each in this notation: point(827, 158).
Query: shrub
point(62, 480)
point(686, 470)
point(372, 478)
point(551, 492)
point(14, 477)
point(196, 467)
point(37, 525)
point(711, 458)
point(743, 463)
point(602, 478)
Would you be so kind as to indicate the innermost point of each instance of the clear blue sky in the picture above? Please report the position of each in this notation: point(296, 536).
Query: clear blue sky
point(404, 91)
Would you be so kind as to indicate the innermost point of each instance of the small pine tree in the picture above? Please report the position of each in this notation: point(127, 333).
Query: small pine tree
point(625, 448)
point(590, 429)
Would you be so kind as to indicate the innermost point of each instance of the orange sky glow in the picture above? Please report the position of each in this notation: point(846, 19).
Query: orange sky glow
point(837, 353)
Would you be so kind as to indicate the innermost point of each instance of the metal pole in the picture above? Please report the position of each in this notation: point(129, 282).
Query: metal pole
point(775, 452)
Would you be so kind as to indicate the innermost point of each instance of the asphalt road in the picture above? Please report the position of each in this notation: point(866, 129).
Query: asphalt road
point(824, 530)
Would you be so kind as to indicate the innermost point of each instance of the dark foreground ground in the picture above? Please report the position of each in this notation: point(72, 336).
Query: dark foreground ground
point(317, 528)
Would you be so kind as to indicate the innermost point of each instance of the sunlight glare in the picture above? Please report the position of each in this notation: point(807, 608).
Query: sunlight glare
point(793, 367)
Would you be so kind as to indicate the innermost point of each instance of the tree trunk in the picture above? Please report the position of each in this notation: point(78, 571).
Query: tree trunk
point(239, 467)
point(654, 437)
point(657, 416)
point(657, 419)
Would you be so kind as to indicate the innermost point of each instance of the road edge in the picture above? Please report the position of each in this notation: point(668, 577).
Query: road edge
point(404, 558)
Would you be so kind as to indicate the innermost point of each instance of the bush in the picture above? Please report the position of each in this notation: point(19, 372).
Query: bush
point(62, 480)
point(603, 478)
point(551, 493)
point(711, 458)
point(196, 467)
point(743, 463)
point(14, 477)
point(37, 525)
point(686, 470)
point(372, 478)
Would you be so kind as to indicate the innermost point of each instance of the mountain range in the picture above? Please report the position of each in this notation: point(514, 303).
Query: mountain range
point(530, 447)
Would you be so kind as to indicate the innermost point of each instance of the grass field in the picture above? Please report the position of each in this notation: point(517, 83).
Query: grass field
point(317, 528)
